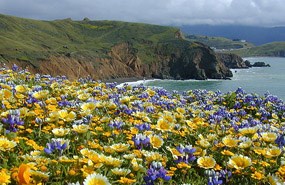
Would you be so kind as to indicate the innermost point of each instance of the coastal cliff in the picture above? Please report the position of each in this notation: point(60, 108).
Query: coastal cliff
point(232, 61)
point(106, 50)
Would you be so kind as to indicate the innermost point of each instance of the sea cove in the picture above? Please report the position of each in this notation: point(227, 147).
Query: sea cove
point(258, 80)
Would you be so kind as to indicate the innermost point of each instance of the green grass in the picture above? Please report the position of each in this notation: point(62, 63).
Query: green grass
point(32, 40)
point(270, 49)
point(219, 42)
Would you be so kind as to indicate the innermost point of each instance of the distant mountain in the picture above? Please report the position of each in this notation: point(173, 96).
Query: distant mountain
point(273, 49)
point(253, 34)
point(219, 43)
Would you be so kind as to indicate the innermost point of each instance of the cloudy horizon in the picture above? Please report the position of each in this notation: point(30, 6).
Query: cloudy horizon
point(163, 12)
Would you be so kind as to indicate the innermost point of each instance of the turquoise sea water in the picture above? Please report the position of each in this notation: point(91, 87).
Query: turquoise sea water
point(253, 80)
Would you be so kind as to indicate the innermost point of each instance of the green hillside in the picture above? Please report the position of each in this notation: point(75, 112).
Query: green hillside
point(31, 40)
point(276, 49)
point(219, 42)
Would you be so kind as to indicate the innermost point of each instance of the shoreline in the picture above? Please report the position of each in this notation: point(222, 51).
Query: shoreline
point(128, 80)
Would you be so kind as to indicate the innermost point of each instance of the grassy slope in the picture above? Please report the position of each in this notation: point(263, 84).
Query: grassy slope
point(219, 42)
point(27, 39)
point(270, 49)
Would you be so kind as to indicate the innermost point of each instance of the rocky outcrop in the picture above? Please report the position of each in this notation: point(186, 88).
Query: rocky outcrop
point(198, 62)
point(259, 64)
point(232, 61)
point(179, 60)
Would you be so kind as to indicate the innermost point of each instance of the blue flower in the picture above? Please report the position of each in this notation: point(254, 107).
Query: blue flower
point(11, 122)
point(141, 141)
point(56, 146)
point(188, 154)
point(280, 141)
point(155, 171)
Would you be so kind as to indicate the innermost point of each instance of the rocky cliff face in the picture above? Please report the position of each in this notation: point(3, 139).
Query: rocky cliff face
point(232, 61)
point(173, 61)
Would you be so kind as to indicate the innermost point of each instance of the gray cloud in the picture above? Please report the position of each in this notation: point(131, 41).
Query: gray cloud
point(175, 12)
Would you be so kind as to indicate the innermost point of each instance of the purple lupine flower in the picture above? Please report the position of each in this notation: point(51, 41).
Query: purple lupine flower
point(57, 145)
point(117, 124)
point(240, 91)
point(215, 118)
point(280, 141)
point(150, 109)
point(15, 67)
point(187, 154)
point(141, 141)
point(216, 178)
point(11, 122)
point(142, 127)
point(143, 96)
point(155, 171)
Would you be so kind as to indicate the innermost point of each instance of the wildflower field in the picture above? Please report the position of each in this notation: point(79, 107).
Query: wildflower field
point(55, 131)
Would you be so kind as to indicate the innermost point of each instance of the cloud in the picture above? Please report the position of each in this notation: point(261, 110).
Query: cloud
point(175, 12)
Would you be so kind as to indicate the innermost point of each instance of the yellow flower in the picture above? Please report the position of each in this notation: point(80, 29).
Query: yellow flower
point(227, 152)
point(4, 177)
point(199, 151)
point(111, 161)
point(281, 170)
point(264, 164)
point(96, 179)
point(120, 147)
point(191, 124)
point(39, 175)
point(41, 94)
point(20, 88)
point(80, 128)
point(229, 141)
point(125, 99)
point(257, 175)
point(68, 117)
point(111, 105)
point(268, 136)
point(156, 141)
point(51, 101)
point(136, 166)
point(274, 180)
point(53, 116)
point(206, 162)
point(33, 144)
point(19, 95)
point(248, 130)
point(84, 96)
point(180, 110)
point(5, 94)
point(272, 152)
point(60, 132)
point(120, 171)
point(164, 125)
point(183, 165)
point(125, 180)
point(168, 117)
point(259, 151)
point(88, 106)
point(6, 144)
point(203, 143)
point(109, 149)
point(245, 144)
point(239, 162)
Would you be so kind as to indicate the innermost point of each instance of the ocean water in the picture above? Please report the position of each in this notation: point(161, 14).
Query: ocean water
point(258, 80)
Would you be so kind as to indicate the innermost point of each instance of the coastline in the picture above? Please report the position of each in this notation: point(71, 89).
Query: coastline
point(129, 80)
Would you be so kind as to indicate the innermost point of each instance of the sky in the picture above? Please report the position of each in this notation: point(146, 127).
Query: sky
point(163, 12)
